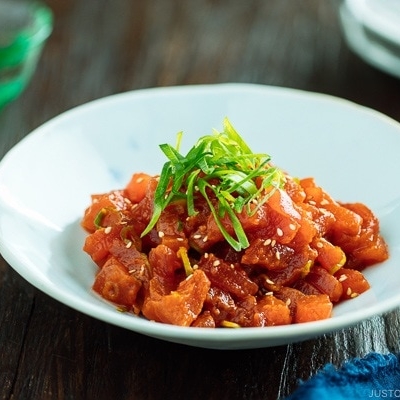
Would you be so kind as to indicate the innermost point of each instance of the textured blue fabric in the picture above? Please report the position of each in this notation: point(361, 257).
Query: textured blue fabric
point(375, 376)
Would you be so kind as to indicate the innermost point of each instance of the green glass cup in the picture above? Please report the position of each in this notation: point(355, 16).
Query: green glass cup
point(24, 29)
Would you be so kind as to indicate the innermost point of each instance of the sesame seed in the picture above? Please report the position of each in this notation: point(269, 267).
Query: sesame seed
point(107, 230)
point(161, 234)
point(312, 202)
point(320, 245)
point(205, 238)
point(134, 205)
point(269, 281)
point(324, 202)
point(139, 180)
point(292, 227)
point(269, 293)
point(128, 245)
point(127, 201)
point(196, 236)
point(216, 263)
point(273, 243)
point(354, 294)
point(205, 255)
point(278, 255)
point(232, 266)
point(342, 278)
point(179, 239)
point(279, 232)
point(348, 292)
point(267, 242)
point(195, 266)
point(288, 302)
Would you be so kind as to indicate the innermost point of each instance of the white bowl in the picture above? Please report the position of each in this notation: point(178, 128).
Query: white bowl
point(46, 181)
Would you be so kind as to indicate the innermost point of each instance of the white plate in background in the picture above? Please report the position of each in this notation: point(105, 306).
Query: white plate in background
point(372, 30)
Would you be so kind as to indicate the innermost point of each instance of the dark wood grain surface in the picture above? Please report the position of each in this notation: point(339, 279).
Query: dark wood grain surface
point(102, 47)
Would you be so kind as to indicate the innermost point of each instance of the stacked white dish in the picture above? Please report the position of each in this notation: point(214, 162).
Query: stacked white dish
point(372, 30)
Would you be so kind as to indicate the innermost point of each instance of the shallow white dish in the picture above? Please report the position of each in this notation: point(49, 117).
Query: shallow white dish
point(372, 30)
point(46, 181)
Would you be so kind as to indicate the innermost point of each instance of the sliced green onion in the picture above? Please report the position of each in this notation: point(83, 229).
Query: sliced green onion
point(98, 219)
point(182, 253)
point(221, 164)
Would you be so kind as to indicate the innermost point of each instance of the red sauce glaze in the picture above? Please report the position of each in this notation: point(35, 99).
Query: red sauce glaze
point(306, 252)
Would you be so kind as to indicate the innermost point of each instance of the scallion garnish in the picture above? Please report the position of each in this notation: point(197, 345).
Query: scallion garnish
point(99, 218)
point(221, 165)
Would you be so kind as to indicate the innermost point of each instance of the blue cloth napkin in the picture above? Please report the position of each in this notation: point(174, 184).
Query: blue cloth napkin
point(375, 376)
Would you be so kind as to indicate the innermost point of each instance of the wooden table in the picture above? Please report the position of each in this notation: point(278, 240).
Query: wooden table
point(102, 47)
